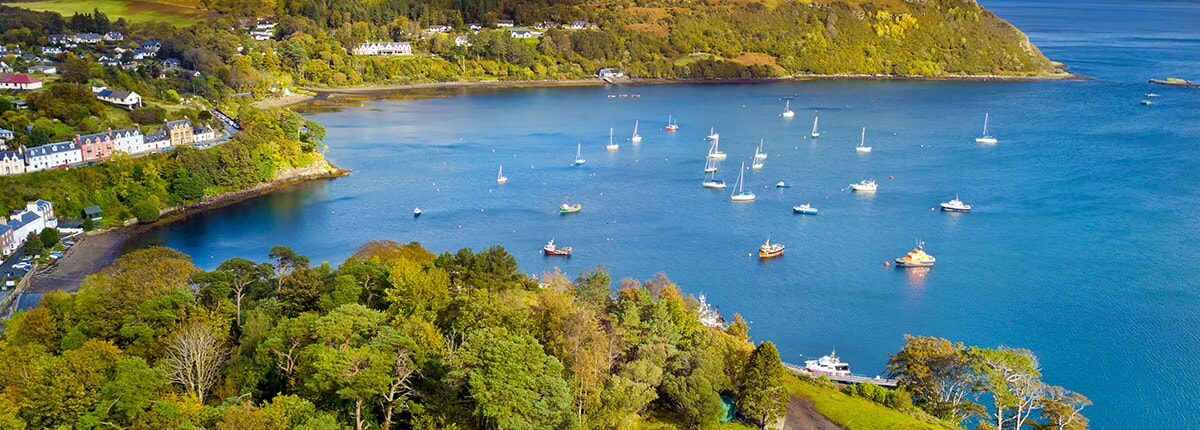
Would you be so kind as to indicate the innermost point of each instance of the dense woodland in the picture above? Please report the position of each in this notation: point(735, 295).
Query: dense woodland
point(399, 337)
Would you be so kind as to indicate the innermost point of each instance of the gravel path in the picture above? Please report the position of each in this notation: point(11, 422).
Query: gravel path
point(90, 254)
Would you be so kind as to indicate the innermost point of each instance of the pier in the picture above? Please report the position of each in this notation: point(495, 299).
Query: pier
point(848, 380)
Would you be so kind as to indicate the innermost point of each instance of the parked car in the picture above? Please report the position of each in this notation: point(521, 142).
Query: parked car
point(21, 266)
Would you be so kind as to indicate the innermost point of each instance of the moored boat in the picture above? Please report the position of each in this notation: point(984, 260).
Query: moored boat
point(828, 365)
point(671, 125)
point(862, 147)
point(551, 249)
point(568, 208)
point(770, 250)
point(864, 186)
point(500, 178)
point(916, 258)
point(815, 134)
point(741, 195)
point(986, 138)
point(579, 161)
point(416, 212)
point(713, 135)
point(636, 138)
point(612, 146)
point(956, 205)
point(804, 209)
point(782, 184)
point(787, 110)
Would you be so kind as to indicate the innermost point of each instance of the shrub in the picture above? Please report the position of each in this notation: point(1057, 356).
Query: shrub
point(146, 212)
point(48, 237)
point(88, 224)
point(148, 115)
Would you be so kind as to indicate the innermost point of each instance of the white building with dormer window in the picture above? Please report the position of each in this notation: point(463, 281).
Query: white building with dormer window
point(52, 155)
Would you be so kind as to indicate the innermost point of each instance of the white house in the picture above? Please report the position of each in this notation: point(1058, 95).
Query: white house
point(203, 134)
point(262, 34)
point(12, 163)
point(43, 69)
point(113, 36)
point(265, 25)
point(439, 29)
point(610, 73)
point(504, 23)
point(158, 141)
point(521, 34)
point(51, 50)
point(58, 39)
point(5, 68)
point(19, 81)
point(474, 26)
point(52, 155)
point(129, 141)
point(88, 38)
point(151, 45)
point(36, 216)
point(384, 48)
point(577, 25)
point(128, 99)
point(462, 40)
point(6, 134)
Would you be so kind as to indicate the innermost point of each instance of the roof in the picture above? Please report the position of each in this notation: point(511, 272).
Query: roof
point(154, 137)
point(101, 136)
point(7, 155)
point(126, 132)
point(179, 123)
point(92, 210)
point(51, 148)
point(18, 78)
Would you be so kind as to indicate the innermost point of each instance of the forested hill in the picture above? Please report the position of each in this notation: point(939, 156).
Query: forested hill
point(680, 39)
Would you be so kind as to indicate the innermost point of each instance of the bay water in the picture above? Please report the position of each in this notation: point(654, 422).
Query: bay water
point(1082, 245)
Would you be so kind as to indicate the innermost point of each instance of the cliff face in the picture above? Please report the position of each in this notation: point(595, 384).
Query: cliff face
point(907, 38)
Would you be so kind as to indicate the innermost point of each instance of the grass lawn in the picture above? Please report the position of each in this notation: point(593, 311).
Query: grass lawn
point(134, 11)
point(694, 57)
point(853, 412)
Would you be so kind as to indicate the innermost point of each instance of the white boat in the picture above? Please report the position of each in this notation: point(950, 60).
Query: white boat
point(741, 195)
point(758, 153)
point(756, 163)
point(709, 316)
point(714, 152)
point(985, 138)
point(500, 178)
point(804, 209)
point(635, 138)
point(671, 125)
point(579, 159)
point(956, 205)
point(712, 135)
point(815, 134)
point(787, 110)
point(864, 186)
point(861, 143)
point(612, 146)
point(711, 181)
point(710, 165)
point(416, 212)
point(828, 365)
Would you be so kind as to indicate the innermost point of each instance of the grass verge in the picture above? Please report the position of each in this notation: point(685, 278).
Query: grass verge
point(134, 11)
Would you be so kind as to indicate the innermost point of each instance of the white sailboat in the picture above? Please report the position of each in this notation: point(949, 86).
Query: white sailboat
point(758, 153)
point(578, 158)
point(612, 146)
point(815, 134)
point(671, 125)
point(710, 178)
point(985, 138)
point(861, 147)
point(787, 110)
point(500, 178)
point(715, 153)
point(710, 165)
point(756, 163)
point(741, 195)
point(713, 135)
point(635, 138)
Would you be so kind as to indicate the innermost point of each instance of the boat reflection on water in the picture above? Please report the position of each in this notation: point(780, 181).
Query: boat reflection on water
point(916, 276)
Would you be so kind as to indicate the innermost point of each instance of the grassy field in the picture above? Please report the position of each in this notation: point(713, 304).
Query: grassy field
point(133, 11)
point(694, 57)
point(853, 412)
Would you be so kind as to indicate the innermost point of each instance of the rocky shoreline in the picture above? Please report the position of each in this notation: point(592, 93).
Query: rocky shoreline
point(97, 250)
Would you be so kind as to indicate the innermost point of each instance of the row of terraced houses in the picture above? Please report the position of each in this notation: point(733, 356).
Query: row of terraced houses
point(97, 147)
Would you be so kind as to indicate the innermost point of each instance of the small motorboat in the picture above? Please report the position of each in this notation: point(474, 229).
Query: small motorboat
point(1145, 102)
point(804, 209)
point(770, 250)
point(864, 186)
point(956, 205)
point(416, 212)
point(551, 249)
point(782, 184)
point(916, 258)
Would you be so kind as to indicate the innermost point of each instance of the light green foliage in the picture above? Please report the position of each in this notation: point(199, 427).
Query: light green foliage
point(939, 375)
point(513, 382)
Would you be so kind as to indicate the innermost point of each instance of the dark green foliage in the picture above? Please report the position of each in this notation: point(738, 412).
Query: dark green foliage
point(761, 396)
point(88, 224)
point(33, 244)
point(148, 115)
point(48, 237)
point(145, 211)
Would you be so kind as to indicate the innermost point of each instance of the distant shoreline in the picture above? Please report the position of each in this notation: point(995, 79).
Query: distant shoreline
point(343, 94)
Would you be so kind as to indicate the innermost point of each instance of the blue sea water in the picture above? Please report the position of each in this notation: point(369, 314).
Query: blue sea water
point(1082, 246)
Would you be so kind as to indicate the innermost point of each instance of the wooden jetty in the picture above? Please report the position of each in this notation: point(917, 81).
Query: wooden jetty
point(848, 380)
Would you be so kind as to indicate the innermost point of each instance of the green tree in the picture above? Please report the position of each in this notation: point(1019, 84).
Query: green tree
point(761, 395)
point(938, 373)
point(514, 383)
point(34, 245)
point(1013, 379)
point(146, 211)
point(1061, 410)
point(48, 237)
point(88, 224)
